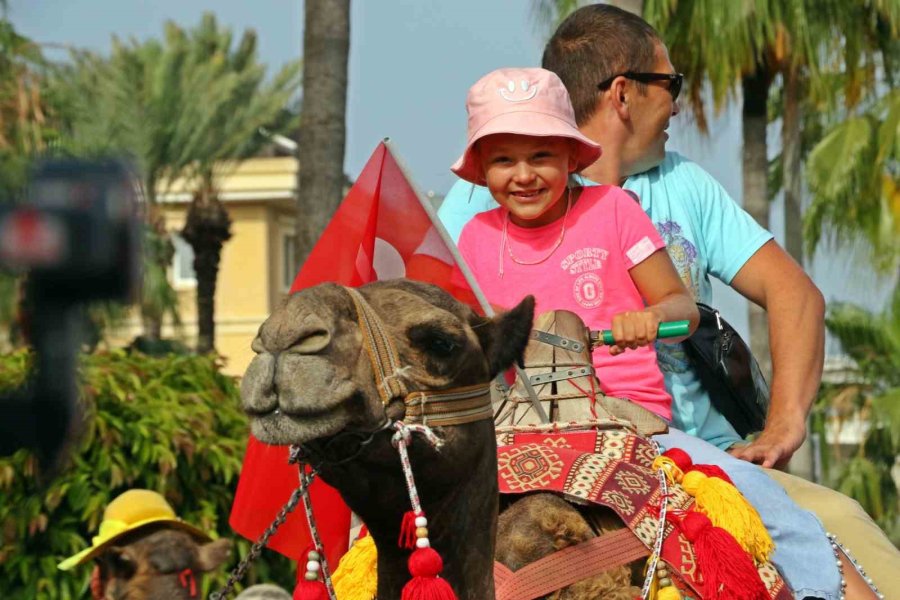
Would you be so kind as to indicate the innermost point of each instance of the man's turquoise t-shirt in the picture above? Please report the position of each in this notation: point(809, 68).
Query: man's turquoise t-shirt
point(706, 233)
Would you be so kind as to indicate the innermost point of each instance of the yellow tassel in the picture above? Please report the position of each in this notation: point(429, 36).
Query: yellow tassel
point(670, 592)
point(673, 473)
point(356, 577)
point(727, 508)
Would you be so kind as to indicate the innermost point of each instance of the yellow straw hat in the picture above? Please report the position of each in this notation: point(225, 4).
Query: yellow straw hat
point(129, 512)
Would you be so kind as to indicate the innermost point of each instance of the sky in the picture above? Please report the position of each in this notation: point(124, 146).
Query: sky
point(411, 63)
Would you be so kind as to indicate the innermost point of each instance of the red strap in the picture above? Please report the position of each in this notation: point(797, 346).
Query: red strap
point(188, 582)
point(566, 566)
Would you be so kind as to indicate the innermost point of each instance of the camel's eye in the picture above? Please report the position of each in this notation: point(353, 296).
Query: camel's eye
point(442, 346)
point(435, 342)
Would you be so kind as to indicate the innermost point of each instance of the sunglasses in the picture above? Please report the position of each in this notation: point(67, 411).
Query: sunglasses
point(675, 80)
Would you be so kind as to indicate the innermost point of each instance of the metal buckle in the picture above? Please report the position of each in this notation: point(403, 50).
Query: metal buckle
point(561, 375)
point(555, 340)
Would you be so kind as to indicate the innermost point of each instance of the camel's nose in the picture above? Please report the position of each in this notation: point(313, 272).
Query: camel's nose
point(310, 335)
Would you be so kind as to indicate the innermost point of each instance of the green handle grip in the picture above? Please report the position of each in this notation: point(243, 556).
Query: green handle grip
point(667, 329)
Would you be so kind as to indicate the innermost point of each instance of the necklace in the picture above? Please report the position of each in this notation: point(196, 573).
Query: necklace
point(504, 239)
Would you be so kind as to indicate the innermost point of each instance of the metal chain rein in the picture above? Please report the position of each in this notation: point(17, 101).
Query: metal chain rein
point(237, 574)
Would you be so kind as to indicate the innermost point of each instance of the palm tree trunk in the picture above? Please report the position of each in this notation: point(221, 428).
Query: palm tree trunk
point(790, 152)
point(756, 201)
point(208, 226)
point(151, 311)
point(320, 177)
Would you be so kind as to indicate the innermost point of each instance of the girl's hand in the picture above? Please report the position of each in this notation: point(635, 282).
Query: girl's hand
point(633, 330)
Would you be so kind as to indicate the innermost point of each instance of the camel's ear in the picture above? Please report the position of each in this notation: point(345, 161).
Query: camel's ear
point(504, 337)
point(213, 554)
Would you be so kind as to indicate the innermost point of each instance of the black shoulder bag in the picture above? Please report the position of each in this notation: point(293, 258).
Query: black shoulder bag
point(728, 372)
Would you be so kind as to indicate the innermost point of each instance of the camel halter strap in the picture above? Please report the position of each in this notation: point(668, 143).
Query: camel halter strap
point(455, 406)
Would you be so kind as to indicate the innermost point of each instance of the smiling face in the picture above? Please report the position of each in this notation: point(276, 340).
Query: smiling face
point(528, 175)
point(650, 115)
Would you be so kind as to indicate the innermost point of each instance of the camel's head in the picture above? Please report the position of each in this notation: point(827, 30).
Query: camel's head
point(312, 378)
point(158, 563)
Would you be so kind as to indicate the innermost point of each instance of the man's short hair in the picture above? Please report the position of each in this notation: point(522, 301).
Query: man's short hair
point(595, 43)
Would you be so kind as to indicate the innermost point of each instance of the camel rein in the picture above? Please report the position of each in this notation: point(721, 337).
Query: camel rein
point(423, 410)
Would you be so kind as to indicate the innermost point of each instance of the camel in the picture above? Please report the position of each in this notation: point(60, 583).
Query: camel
point(156, 563)
point(314, 384)
point(311, 381)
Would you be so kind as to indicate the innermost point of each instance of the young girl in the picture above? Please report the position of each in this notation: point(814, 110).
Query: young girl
point(589, 250)
point(593, 251)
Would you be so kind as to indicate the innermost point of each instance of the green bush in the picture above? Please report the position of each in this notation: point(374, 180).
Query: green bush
point(170, 424)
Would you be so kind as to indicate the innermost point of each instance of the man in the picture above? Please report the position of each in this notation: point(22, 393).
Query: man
point(623, 89)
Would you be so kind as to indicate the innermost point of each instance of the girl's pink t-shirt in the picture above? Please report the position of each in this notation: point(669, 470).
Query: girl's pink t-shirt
point(607, 233)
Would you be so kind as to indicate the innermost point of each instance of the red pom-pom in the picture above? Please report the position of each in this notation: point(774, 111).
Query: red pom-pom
point(311, 590)
point(424, 565)
point(712, 471)
point(727, 570)
point(408, 531)
point(425, 562)
point(680, 458)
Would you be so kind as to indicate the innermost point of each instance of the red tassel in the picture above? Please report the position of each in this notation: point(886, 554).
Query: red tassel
point(311, 590)
point(712, 471)
point(97, 586)
point(680, 458)
point(425, 564)
point(408, 531)
point(728, 572)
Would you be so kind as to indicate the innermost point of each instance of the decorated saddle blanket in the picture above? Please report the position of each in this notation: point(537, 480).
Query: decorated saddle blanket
point(600, 463)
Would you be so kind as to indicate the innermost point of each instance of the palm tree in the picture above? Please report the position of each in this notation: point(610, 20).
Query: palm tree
point(854, 177)
point(321, 139)
point(236, 105)
point(189, 106)
point(871, 397)
point(25, 125)
point(758, 43)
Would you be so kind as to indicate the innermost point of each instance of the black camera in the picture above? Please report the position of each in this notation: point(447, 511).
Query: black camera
point(78, 238)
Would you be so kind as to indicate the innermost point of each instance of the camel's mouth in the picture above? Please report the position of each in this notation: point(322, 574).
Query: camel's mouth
point(281, 428)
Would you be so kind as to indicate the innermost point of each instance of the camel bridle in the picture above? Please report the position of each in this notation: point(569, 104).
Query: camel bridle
point(432, 408)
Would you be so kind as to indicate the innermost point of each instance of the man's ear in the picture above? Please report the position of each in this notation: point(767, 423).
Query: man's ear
point(620, 97)
point(504, 337)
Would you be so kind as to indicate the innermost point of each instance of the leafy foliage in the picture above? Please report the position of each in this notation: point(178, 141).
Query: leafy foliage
point(169, 424)
point(872, 398)
point(854, 174)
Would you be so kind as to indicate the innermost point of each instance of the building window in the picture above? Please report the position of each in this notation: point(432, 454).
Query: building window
point(183, 263)
point(288, 261)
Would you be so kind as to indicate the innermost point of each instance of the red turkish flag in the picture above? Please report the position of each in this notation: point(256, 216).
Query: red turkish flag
point(380, 231)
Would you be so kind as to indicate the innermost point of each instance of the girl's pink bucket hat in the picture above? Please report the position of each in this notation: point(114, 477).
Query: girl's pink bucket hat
point(523, 101)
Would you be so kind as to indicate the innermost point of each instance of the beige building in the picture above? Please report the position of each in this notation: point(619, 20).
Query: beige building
point(257, 265)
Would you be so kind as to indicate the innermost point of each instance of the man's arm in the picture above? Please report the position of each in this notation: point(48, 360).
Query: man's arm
point(796, 311)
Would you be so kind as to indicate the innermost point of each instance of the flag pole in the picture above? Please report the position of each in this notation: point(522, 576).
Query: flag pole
point(467, 273)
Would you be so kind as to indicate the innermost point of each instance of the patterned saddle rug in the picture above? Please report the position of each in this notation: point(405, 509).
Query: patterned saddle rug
point(600, 454)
